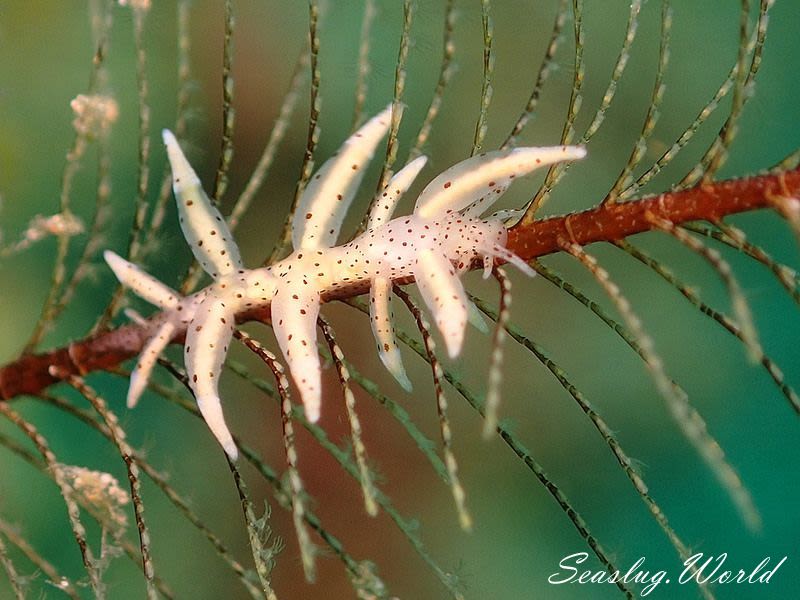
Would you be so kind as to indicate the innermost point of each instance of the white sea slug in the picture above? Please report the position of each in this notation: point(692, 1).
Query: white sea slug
point(435, 244)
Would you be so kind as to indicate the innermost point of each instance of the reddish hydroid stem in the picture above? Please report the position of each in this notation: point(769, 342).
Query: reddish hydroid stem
point(605, 223)
point(615, 221)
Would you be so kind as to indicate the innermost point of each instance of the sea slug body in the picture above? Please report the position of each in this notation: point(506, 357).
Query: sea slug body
point(435, 245)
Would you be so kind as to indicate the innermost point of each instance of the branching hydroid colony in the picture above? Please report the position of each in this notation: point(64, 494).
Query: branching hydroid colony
point(435, 244)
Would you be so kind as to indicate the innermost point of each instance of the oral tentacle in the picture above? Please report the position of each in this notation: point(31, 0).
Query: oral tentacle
point(508, 256)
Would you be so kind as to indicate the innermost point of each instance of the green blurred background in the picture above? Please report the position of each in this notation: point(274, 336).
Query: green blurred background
point(520, 532)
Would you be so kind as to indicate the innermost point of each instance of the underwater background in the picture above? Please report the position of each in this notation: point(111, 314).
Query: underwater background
point(520, 532)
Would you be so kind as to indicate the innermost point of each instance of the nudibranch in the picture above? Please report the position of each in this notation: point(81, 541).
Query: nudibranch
point(435, 245)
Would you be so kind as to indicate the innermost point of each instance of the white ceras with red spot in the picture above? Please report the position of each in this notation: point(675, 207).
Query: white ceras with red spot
point(435, 245)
